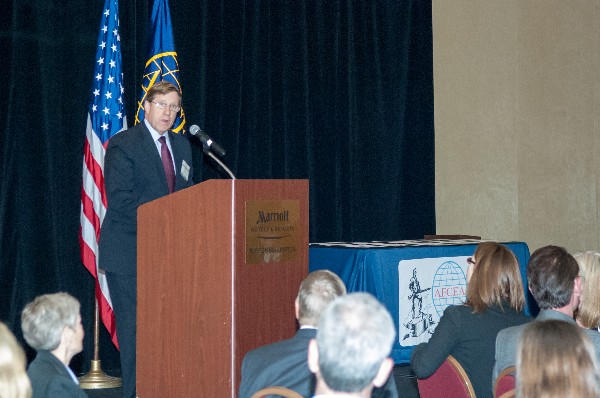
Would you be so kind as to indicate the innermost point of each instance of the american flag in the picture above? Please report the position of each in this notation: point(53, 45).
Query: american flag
point(106, 117)
point(162, 59)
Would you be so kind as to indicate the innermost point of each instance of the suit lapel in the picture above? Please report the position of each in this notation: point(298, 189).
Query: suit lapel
point(178, 152)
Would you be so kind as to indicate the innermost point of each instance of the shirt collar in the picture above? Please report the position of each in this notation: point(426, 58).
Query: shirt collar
point(155, 134)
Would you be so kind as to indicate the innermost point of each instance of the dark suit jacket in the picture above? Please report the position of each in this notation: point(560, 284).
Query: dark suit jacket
point(134, 175)
point(285, 364)
point(469, 338)
point(50, 379)
point(508, 341)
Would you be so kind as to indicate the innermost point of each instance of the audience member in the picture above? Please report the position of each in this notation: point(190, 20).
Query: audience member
point(554, 282)
point(495, 300)
point(285, 363)
point(52, 326)
point(351, 352)
point(588, 313)
point(556, 360)
point(14, 382)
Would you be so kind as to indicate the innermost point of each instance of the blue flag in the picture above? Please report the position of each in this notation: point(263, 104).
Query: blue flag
point(162, 59)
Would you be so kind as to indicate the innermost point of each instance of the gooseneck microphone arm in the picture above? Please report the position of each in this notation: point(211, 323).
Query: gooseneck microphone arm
point(212, 155)
point(208, 144)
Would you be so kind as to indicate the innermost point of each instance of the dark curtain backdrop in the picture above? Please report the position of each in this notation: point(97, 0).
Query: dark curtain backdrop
point(337, 92)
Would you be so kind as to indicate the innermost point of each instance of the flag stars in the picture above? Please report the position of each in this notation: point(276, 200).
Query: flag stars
point(112, 63)
point(99, 77)
point(100, 61)
point(104, 126)
point(107, 12)
point(96, 92)
point(115, 32)
point(103, 44)
point(104, 29)
point(108, 95)
point(106, 111)
point(119, 115)
point(94, 108)
point(114, 47)
point(111, 79)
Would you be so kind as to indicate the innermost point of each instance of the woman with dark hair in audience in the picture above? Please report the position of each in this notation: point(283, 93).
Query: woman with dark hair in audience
point(52, 326)
point(495, 300)
point(556, 360)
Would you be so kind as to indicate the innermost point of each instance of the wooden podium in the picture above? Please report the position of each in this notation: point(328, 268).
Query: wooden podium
point(219, 266)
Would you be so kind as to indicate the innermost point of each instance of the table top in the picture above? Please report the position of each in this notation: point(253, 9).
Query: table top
point(402, 243)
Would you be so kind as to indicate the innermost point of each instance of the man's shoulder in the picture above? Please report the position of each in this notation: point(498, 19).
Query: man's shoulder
point(594, 336)
point(177, 136)
point(298, 342)
point(282, 363)
point(511, 332)
point(132, 133)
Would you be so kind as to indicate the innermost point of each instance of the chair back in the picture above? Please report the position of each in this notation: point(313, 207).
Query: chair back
point(509, 394)
point(505, 382)
point(276, 391)
point(449, 380)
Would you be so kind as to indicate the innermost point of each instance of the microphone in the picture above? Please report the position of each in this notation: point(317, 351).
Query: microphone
point(207, 142)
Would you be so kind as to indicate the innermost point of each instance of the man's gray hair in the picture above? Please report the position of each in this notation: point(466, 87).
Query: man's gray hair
point(44, 319)
point(354, 337)
point(317, 290)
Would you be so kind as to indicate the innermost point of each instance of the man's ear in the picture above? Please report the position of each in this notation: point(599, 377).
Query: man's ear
point(297, 309)
point(385, 369)
point(313, 356)
point(577, 285)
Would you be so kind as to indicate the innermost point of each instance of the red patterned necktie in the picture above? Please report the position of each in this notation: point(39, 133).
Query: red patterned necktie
point(167, 162)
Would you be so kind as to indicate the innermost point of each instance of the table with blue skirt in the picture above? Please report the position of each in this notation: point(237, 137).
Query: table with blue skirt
point(415, 279)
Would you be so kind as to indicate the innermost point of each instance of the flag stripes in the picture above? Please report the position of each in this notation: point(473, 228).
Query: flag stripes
point(106, 117)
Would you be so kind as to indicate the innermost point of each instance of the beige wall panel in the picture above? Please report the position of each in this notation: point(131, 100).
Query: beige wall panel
point(517, 98)
point(476, 155)
point(555, 123)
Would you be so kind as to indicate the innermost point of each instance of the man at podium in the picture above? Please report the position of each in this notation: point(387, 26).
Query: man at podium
point(142, 164)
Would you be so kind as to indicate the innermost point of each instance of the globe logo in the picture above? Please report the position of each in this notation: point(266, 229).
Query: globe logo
point(448, 287)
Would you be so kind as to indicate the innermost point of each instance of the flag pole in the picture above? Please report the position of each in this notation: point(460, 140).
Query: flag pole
point(105, 118)
point(96, 378)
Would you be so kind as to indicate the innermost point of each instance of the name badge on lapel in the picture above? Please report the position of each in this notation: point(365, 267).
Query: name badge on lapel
point(185, 170)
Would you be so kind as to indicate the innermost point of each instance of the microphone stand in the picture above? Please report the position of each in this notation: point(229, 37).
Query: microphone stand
point(216, 159)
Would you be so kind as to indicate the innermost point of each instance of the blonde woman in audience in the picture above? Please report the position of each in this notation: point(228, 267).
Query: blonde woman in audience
point(588, 314)
point(555, 360)
point(14, 382)
point(495, 300)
